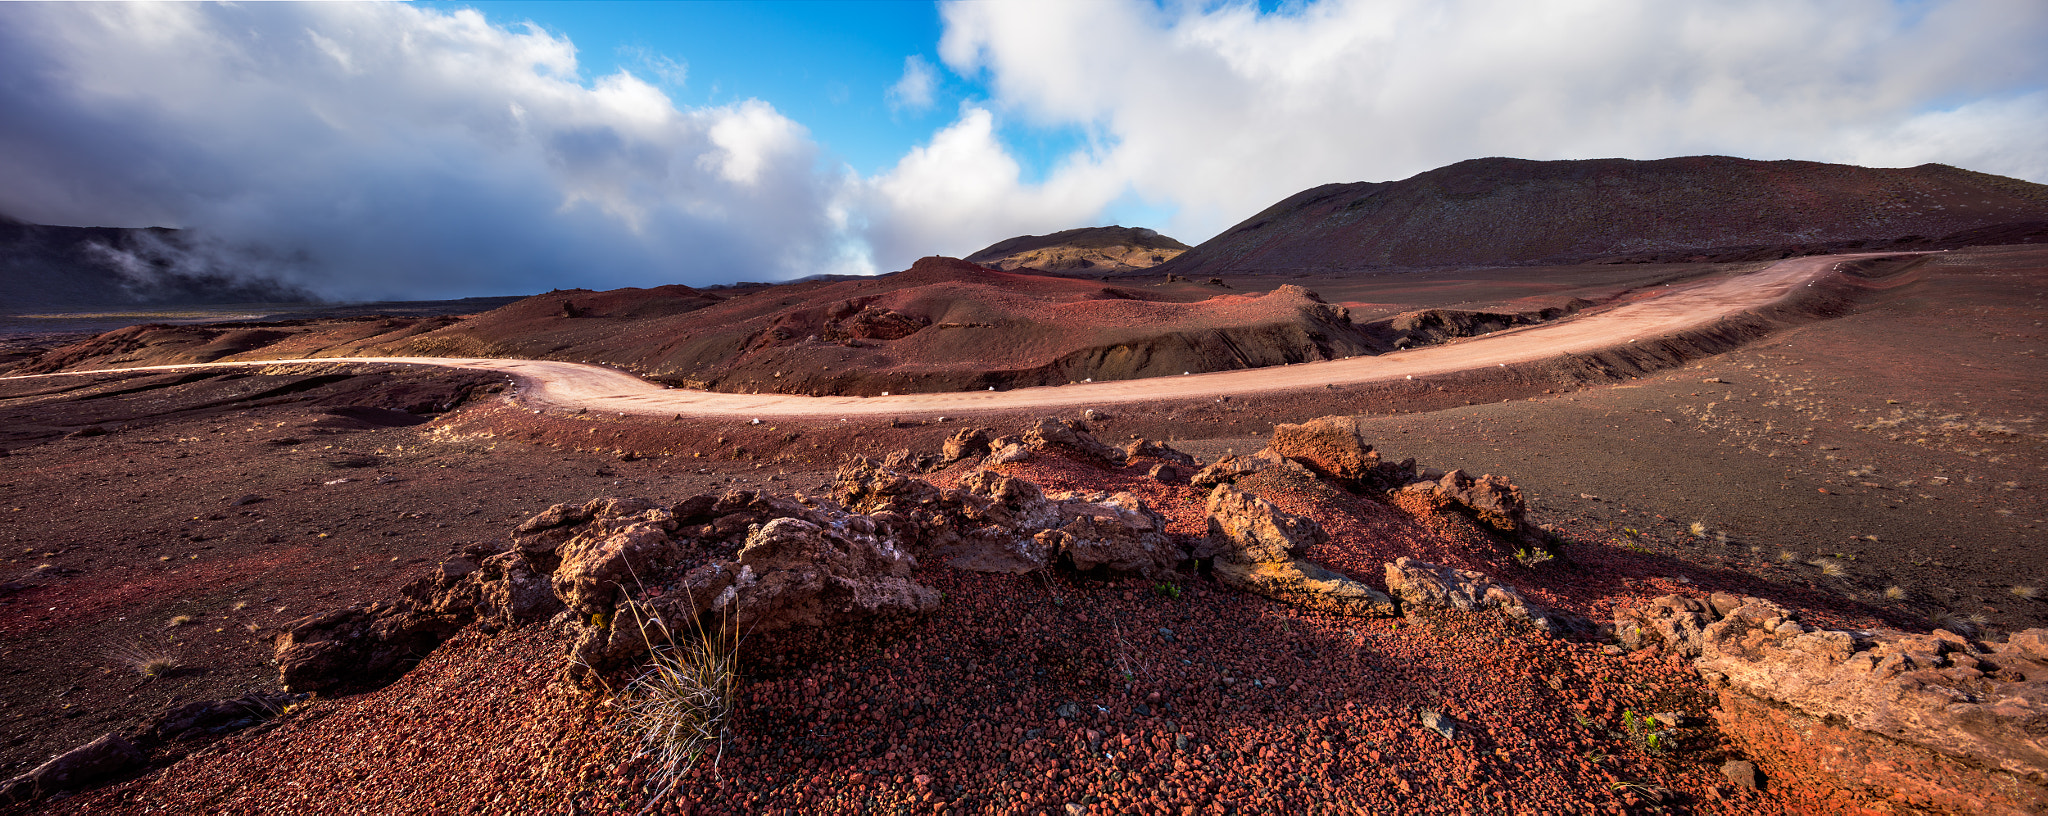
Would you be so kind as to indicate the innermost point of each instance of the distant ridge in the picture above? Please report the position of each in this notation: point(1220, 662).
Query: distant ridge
point(1516, 211)
point(1087, 249)
point(52, 267)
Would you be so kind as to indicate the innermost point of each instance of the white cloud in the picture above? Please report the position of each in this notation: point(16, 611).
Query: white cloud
point(914, 91)
point(409, 151)
point(1222, 110)
point(403, 151)
point(963, 191)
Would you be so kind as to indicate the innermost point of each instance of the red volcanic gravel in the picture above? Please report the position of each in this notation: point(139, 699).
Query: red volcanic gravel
point(1031, 694)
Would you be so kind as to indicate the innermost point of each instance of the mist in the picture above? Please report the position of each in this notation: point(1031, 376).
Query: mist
point(376, 151)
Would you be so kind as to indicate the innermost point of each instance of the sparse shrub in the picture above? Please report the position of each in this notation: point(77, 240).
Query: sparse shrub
point(1959, 624)
point(684, 703)
point(150, 662)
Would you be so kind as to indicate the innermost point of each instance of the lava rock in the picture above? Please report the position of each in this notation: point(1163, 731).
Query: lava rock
point(107, 756)
point(1228, 469)
point(1742, 773)
point(1441, 723)
point(1330, 446)
point(360, 645)
point(1422, 585)
point(209, 718)
point(1493, 500)
point(1072, 437)
point(1256, 548)
point(967, 442)
point(1245, 529)
point(1157, 450)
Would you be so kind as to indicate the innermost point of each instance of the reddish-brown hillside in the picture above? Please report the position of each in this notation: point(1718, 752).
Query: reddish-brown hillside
point(1512, 211)
point(942, 325)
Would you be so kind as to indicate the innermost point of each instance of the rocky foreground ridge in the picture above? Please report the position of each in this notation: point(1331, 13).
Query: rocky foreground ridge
point(1888, 721)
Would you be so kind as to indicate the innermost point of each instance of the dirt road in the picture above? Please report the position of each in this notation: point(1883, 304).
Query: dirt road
point(552, 384)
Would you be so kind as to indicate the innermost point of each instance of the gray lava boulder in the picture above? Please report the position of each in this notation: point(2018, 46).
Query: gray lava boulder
point(1072, 437)
point(1257, 548)
point(79, 767)
point(1422, 585)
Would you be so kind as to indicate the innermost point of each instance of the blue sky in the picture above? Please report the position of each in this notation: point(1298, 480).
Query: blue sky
point(828, 65)
point(377, 150)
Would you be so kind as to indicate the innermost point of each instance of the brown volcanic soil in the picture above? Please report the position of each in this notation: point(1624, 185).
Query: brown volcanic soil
point(944, 325)
point(1514, 211)
point(958, 698)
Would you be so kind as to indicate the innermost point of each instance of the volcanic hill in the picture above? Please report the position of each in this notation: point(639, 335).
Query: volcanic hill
point(1515, 211)
point(1093, 250)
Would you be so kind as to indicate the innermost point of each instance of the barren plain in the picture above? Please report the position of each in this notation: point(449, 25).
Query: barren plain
point(1867, 450)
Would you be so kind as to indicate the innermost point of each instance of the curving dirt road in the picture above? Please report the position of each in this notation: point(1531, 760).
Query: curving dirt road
point(552, 384)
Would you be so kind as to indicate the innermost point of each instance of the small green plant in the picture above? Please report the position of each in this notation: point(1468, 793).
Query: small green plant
point(1645, 731)
point(1167, 590)
point(1533, 557)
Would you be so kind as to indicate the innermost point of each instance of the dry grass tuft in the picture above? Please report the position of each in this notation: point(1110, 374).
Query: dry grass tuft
point(1965, 625)
point(1698, 529)
point(148, 661)
point(685, 701)
point(1896, 593)
point(1787, 556)
point(181, 620)
point(2026, 592)
point(1830, 567)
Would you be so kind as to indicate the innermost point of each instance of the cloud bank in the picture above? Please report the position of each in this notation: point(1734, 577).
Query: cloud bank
point(404, 152)
point(381, 150)
point(1222, 110)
